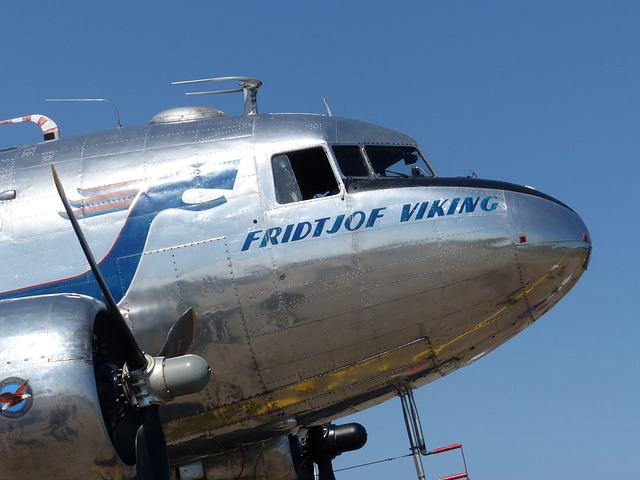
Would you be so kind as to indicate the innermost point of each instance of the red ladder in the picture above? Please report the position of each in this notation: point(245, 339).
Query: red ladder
point(448, 448)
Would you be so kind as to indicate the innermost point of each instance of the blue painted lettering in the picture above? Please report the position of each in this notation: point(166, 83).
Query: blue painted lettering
point(437, 208)
point(454, 205)
point(287, 233)
point(336, 225)
point(407, 212)
point(270, 236)
point(485, 204)
point(348, 224)
point(375, 214)
point(302, 230)
point(422, 210)
point(320, 222)
point(367, 219)
point(469, 205)
point(251, 237)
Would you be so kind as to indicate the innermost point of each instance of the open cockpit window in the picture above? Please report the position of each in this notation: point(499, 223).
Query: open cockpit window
point(303, 175)
point(397, 161)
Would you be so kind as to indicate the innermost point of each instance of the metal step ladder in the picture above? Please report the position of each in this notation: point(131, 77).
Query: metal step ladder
point(416, 438)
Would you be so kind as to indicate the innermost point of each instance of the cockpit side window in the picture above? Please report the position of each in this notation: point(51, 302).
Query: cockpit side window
point(303, 175)
point(351, 161)
point(397, 161)
point(287, 189)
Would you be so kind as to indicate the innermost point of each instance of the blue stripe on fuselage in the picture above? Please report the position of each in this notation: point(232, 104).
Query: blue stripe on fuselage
point(119, 265)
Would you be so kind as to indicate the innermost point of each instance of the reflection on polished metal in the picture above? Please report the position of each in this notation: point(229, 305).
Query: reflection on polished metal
point(326, 260)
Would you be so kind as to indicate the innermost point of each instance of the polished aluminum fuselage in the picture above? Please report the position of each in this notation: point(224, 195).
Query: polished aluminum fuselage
point(388, 283)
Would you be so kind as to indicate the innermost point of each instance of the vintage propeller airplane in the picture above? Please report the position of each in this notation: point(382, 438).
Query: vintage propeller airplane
point(316, 266)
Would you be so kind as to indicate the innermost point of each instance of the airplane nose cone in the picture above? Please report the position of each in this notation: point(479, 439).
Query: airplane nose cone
point(537, 218)
point(552, 244)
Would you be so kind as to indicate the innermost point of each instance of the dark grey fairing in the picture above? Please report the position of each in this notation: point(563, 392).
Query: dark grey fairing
point(370, 184)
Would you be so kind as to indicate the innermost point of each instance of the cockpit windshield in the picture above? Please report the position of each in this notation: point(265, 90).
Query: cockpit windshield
point(390, 161)
point(378, 161)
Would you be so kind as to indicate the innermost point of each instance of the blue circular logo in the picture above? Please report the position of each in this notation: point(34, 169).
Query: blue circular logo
point(16, 397)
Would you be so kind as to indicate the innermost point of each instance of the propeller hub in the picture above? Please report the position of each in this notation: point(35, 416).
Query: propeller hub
point(164, 379)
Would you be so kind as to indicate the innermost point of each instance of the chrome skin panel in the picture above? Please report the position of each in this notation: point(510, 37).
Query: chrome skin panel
point(48, 340)
point(297, 332)
point(34, 230)
point(352, 317)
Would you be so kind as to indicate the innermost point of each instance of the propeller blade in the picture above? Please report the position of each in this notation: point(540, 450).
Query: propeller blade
point(152, 460)
point(134, 355)
point(181, 336)
point(325, 468)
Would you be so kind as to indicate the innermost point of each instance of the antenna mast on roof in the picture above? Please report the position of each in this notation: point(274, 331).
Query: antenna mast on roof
point(248, 85)
point(88, 100)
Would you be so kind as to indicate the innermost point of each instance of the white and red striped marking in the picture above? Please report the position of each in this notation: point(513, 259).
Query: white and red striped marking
point(49, 127)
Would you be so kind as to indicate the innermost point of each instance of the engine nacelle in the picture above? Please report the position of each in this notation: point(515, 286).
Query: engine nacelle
point(51, 424)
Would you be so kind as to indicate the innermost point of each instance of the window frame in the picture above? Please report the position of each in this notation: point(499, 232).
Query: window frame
point(369, 165)
point(363, 157)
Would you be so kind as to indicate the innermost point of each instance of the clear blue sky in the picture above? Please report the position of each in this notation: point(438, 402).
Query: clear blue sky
point(541, 93)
